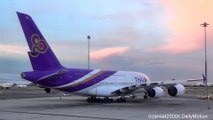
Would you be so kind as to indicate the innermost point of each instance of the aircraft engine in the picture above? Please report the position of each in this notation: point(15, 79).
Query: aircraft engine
point(176, 90)
point(155, 92)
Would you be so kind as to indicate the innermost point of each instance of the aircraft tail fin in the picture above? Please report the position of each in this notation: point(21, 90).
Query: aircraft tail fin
point(40, 54)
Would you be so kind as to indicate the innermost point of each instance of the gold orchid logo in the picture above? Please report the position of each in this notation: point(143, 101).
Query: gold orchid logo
point(39, 46)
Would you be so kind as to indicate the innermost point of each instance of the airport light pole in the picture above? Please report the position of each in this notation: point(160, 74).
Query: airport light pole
point(88, 37)
point(204, 25)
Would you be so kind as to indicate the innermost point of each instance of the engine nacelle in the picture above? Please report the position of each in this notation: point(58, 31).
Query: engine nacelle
point(177, 90)
point(155, 92)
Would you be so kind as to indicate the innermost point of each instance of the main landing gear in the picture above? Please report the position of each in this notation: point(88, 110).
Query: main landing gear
point(145, 95)
point(121, 99)
point(93, 99)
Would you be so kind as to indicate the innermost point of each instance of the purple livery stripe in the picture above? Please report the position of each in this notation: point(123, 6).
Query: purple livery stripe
point(94, 79)
point(73, 75)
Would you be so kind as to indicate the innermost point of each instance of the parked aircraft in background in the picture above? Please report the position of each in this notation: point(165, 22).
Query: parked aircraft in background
point(49, 73)
point(12, 80)
point(6, 85)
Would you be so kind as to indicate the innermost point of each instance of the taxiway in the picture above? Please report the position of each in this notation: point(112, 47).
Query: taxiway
point(76, 108)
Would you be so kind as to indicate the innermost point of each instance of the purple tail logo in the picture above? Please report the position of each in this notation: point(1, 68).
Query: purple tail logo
point(39, 46)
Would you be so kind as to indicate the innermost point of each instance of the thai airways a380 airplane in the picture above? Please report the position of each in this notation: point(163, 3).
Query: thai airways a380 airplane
point(49, 73)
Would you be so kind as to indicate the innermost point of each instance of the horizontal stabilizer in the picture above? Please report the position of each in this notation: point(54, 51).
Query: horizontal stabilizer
point(55, 75)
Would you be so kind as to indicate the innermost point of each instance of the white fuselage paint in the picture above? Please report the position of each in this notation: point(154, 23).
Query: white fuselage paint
point(115, 82)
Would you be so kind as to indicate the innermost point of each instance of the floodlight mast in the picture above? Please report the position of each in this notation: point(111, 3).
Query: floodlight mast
point(88, 37)
point(204, 25)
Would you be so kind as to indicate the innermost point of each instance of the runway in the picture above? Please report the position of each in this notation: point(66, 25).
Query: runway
point(76, 108)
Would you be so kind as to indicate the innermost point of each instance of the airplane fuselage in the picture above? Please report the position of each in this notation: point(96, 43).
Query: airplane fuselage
point(88, 82)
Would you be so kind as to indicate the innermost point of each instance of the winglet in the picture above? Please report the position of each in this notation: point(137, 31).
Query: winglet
point(204, 79)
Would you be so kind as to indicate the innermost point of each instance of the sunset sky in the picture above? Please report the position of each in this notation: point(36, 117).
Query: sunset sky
point(161, 38)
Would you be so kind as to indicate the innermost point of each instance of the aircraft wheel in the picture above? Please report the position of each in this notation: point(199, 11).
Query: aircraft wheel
point(107, 100)
point(92, 99)
point(145, 96)
point(89, 100)
point(121, 100)
point(111, 100)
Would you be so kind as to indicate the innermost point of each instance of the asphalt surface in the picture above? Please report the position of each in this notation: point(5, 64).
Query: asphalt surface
point(33, 104)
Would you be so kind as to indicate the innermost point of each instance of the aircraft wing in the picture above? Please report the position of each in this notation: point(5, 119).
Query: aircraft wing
point(132, 88)
point(167, 84)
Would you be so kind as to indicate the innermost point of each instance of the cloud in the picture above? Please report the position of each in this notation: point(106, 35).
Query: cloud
point(107, 52)
point(136, 28)
point(180, 45)
point(183, 22)
point(12, 49)
point(161, 38)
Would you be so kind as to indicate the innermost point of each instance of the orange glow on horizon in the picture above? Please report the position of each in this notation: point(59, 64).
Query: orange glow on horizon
point(107, 52)
point(12, 49)
point(183, 19)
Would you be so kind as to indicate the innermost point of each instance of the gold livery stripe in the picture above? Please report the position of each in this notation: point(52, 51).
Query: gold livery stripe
point(84, 81)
